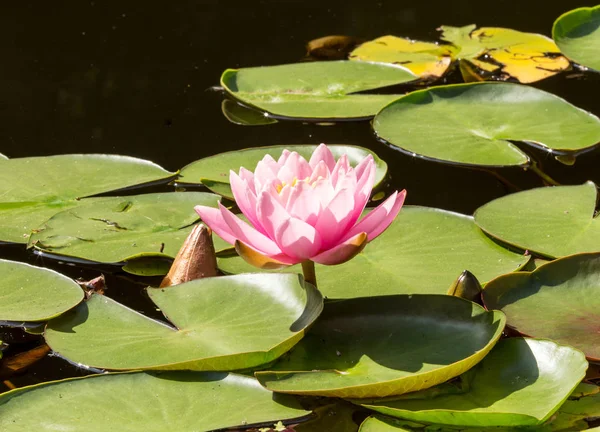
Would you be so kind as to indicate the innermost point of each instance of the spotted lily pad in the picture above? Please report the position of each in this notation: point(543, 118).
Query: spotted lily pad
point(558, 300)
point(152, 402)
point(505, 53)
point(320, 90)
point(577, 33)
point(35, 188)
point(213, 171)
point(553, 222)
point(424, 59)
point(422, 252)
point(221, 323)
point(522, 382)
point(29, 293)
point(473, 124)
point(386, 345)
point(124, 228)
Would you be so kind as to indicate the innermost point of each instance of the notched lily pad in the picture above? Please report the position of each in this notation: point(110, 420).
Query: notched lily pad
point(522, 382)
point(213, 171)
point(31, 293)
point(559, 300)
point(386, 345)
point(577, 33)
point(222, 323)
point(504, 54)
point(152, 402)
point(319, 90)
point(474, 124)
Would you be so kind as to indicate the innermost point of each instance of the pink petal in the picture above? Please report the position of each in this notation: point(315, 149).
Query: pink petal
point(298, 239)
point(335, 219)
point(265, 172)
point(213, 218)
point(245, 233)
point(362, 166)
point(341, 168)
point(320, 171)
point(364, 187)
point(284, 155)
point(322, 153)
point(323, 191)
point(244, 198)
point(270, 213)
point(248, 177)
point(285, 175)
point(343, 251)
point(380, 218)
point(303, 204)
point(298, 165)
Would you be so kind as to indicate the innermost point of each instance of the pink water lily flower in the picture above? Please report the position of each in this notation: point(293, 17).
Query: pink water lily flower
point(302, 210)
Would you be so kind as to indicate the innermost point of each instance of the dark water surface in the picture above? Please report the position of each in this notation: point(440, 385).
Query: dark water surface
point(133, 78)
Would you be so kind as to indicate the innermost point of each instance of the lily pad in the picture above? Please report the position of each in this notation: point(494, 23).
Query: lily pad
point(3, 157)
point(152, 402)
point(320, 90)
point(558, 300)
point(221, 323)
point(386, 345)
point(124, 228)
point(424, 59)
point(506, 53)
point(213, 171)
point(31, 293)
point(35, 188)
point(553, 222)
point(241, 115)
point(577, 33)
point(522, 382)
point(473, 124)
point(422, 252)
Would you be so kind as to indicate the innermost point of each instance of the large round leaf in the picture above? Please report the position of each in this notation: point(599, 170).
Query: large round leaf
point(577, 33)
point(29, 293)
point(213, 171)
point(221, 323)
point(150, 402)
point(422, 252)
point(473, 124)
point(554, 222)
point(559, 300)
point(386, 345)
point(521, 382)
point(35, 188)
point(323, 90)
point(122, 228)
point(504, 53)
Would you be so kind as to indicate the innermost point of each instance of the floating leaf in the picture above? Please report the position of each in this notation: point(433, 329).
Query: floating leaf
point(152, 402)
point(221, 323)
point(506, 53)
point(473, 124)
point(334, 47)
point(424, 59)
point(422, 252)
point(559, 300)
point(124, 228)
point(521, 382)
point(238, 114)
point(3, 157)
point(386, 345)
point(213, 171)
point(577, 33)
point(31, 293)
point(554, 222)
point(148, 266)
point(323, 90)
point(35, 188)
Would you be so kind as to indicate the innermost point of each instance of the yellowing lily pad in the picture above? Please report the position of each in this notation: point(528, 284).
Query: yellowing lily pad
point(424, 59)
point(506, 54)
point(577, 33)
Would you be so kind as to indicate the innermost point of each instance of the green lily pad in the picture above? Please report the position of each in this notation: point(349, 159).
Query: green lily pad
point(35, 188)
point(559, 300)
point(320, 90)
point(522, 382)
point(4, 157)
point(553, 222)
point(221, 323)
point(501, 53)
point(213, 171)
point(473, 124)
point(150, 402)
point(241, 115)
point(422, 252)
point(386, 345)
point(124, 228)
point(148, 266)
point(388, 424)
point(577, 33)
point(31, 293)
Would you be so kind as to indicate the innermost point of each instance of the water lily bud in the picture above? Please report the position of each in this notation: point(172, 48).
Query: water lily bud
point(466, 286)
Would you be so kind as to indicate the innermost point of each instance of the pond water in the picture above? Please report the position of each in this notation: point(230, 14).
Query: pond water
point(135, 79)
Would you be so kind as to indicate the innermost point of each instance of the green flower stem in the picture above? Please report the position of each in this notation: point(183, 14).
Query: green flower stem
point(308, 270)
point(545, 177)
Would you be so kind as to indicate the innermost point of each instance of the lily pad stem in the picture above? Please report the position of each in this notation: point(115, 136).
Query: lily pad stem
point(547, 179)
point(308, 270)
